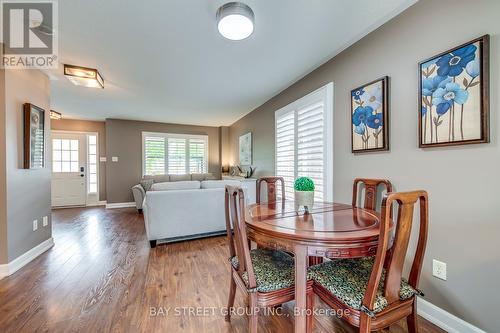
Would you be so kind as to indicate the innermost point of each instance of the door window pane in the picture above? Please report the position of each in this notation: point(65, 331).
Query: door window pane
point(65, 155)
point(66, 166)
point(56, 166)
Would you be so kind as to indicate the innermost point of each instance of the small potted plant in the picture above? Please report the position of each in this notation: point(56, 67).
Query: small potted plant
point(304, 193)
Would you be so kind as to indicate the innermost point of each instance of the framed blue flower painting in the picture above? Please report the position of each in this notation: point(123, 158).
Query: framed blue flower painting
point(454, 96)
point(370, 117)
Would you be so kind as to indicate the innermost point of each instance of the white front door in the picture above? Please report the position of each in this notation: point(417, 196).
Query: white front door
point(69, 163)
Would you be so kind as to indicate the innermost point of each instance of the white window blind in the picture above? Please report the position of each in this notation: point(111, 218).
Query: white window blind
point(197, 150)
point(310, 146)
point(154, 155)
point(176, 157)
point(285, 151)
point(177, 154)
point(304, 142)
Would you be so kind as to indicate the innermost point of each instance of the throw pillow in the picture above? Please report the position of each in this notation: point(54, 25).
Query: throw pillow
point(146, 184)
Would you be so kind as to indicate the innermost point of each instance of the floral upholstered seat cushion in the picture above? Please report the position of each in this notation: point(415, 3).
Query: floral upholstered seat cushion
point(347, 280)
point(273, 270)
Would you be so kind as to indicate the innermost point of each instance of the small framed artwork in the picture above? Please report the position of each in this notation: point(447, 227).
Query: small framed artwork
point(454, 96)
point(34, 136)
point(246, 149)
point(370, 116)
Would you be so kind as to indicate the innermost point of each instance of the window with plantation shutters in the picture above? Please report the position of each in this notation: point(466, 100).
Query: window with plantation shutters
point(176, 157)
point(177, 154)
point(197, 156)
point(154, 155)
point(304, 142)
point(285, 150)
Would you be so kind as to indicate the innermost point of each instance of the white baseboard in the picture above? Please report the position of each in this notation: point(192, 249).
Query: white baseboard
point(24, 259)
point(99, 203)
point(444, 319)
point(120, 205)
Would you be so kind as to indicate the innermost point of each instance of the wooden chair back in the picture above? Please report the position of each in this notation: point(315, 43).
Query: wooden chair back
point(395, 257)
point(271, 188)
point(371, 186)
point(237, 232)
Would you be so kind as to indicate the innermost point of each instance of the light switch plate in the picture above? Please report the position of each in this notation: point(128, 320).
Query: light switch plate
point(103, 159)
point(114, 158)
point(35, 225)
point(439, 269)
point(45, 221)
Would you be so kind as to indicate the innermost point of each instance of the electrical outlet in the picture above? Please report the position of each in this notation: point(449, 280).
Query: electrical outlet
point(439, 269)
point(35, 225)
point(45, 221)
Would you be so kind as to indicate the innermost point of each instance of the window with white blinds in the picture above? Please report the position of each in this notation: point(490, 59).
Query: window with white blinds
point(304, 142)
point(177, 154)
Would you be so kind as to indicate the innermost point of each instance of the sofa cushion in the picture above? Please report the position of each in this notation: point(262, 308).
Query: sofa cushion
point(219, 183)
point(273, 269)
point(202, 176)
point(347, 280)
point(181, 185)
point(179, 178)
point(157, 178)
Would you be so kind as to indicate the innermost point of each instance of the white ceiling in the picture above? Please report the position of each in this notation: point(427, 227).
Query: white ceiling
point(165, 60)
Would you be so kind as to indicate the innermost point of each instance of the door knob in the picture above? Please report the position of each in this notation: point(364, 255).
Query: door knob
point(82, 175)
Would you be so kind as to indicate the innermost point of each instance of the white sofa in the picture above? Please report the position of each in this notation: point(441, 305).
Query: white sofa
point(139, 190)
point(188, 209)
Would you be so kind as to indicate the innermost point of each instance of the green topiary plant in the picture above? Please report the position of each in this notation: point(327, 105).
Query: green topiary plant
point(304, 184)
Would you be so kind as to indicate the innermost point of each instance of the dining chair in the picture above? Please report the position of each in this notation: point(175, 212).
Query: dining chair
point(271, 189)
point(370, 200)
point(265, 276)
point(370, 296)
point(371, 186)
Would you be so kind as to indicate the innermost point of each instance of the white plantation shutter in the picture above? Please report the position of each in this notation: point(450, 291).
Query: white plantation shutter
point(197, 156)
point(178, 154)
point(310, 146)
point(285, 151)
point(154, 155)
point(304, 142)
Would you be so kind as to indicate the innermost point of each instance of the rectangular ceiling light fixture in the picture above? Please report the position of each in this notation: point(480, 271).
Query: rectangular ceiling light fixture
point(55, 115)
point(83, 76)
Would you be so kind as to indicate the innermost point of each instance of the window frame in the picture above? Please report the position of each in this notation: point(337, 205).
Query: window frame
point(325, 95)
point(97, 173)
point(177, 136)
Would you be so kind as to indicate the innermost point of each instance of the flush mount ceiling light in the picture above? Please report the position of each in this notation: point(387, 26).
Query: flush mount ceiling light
point(55, 115)
point(235, 20)
point(83, 76)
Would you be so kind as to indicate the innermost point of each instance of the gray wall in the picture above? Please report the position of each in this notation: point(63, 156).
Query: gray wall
point(462, 181)
point(88, 126)
point(28, 191)
point(124, 140)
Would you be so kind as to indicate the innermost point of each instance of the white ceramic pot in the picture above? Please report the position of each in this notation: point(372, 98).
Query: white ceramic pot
point(304, 199)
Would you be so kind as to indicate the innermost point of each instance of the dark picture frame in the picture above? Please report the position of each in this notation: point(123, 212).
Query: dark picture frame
point(34, 136)
point(370, 116)
point(455, 110)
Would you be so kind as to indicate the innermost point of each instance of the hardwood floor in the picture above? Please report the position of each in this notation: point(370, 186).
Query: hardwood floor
point(101, 276)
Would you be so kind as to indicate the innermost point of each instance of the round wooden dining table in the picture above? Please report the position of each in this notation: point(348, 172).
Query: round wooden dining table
point(331, 230)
